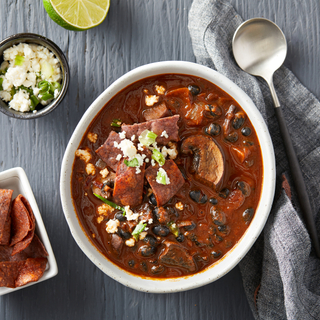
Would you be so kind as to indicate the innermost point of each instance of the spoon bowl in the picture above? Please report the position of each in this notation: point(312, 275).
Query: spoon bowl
point(259, 47)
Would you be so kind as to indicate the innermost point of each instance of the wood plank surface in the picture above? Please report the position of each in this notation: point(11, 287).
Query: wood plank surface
point(134, 33)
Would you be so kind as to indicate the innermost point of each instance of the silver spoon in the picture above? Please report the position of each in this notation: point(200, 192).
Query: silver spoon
point(260, 48)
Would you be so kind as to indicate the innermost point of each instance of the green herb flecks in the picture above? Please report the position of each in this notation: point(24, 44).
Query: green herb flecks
point(158, 156)
point(116, 123)
point(110, 203)
point(18, 60)
point(131, 163)
point(138, 229)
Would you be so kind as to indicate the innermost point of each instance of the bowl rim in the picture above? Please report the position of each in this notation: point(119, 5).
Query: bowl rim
point(234, 256)
point(46, 42)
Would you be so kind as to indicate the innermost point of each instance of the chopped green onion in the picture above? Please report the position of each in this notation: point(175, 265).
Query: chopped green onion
point(110, 203)
point(18, 61)
point(46, 96)
point(138, 229)
point(158, 156)
point(147, 138)
point(162, 177)
point(1, 80)
point(13, 91)
point(116, 123)
point(26, 89)
point(46, 69)
point(34, 102)
point(44, 87)
point(132, 163)
point(173, 228)
point(54, 86)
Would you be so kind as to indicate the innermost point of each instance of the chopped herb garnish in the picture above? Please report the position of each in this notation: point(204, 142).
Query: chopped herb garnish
point(34, 102)
point(18, 61)
point(132, 163)
point(138, 229)
point(1, 80)
point(46, 96)
point(158, 156)
point(173, 228)
point(147, 138)
point(116, 123)
point(162, 177)
point(110, 203)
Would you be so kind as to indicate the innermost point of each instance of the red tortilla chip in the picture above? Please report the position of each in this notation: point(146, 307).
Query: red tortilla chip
point(5, 253)
point(21, 245)
point(32, 271)
point(5, 218)
point(9, 272)
point(20, 221)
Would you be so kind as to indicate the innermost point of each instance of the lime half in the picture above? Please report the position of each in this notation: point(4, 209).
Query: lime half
point(77, 15)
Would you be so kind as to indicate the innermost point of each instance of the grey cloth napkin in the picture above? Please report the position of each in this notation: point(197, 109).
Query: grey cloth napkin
point(281, 274)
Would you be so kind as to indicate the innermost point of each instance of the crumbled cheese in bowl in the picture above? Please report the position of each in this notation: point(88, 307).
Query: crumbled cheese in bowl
point(30, 76)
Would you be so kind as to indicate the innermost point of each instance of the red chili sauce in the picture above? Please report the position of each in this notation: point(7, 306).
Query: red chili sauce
point(218, 157)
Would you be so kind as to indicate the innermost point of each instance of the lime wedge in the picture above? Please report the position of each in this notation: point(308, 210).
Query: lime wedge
point(77, 15)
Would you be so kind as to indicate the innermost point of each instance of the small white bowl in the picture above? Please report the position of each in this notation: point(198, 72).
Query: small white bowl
point(16, 179)
point(233, 257)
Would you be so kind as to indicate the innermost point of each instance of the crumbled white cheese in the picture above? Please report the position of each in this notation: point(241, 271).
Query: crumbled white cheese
point(104, 173)
point(130, 215)
point(151, 100)
point(116, 144)
point(20, 101)
point(150, 221)
point(153, 163)
point(172, 151)
point(147, 160)
point(56, 93)
point(130, 243)
point(138, 170)
point(104, 209)
point(164, 134)
point(128, 149)
point(90, 169)
point(163, 173)
point(122, 135)
point(118, 157)
point(112, 226)
point(160, 89)
point(5, 96)
point(133, 137)
point(142, 235)
point(92, 137)
point(83, 155)
point(179, 205)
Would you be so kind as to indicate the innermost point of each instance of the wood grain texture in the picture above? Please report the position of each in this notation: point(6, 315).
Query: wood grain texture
point(134, 33)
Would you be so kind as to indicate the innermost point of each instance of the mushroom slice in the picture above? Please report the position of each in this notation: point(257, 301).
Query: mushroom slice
point(208, 161)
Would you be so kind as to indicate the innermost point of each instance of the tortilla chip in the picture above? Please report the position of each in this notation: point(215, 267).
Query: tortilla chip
point(9, 272)
point(5, 218)
point(32, 271)
point(22, 244)
point(20, 221)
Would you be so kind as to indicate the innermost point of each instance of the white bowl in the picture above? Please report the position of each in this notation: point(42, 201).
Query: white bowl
point(16, 179)
point(233, 257)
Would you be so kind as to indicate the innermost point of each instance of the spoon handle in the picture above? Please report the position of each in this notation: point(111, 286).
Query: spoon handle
point(298, 181)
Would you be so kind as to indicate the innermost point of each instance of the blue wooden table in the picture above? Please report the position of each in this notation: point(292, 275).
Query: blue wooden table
point(134, 33)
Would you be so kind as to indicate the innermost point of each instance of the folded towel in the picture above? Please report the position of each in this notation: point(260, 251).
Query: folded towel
point(281, 273)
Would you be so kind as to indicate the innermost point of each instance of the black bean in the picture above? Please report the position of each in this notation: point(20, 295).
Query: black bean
point(109, 183)
point(131, 263)
point(213, 200)
point(198, 196)
point(194, 89)
point(244, 188)
point(214, 129)
point(124, 234)
point(223, 228)
point(232, 137)
point(218, 222)
point(151, 240)
point(147, 251)
point(238, 120)
point(246, 131)
point(152, 199)
point(144, 266)
point(172, 211)
point(224, 193)
point(180, 237)
point(218, 216)
point(247, 215)
point(214, 110)
point(119, 215)
point(157, 269)
point(216, 254)
point(191, 226)
point(160, 230)
point(248, 143)
point(218, 238)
